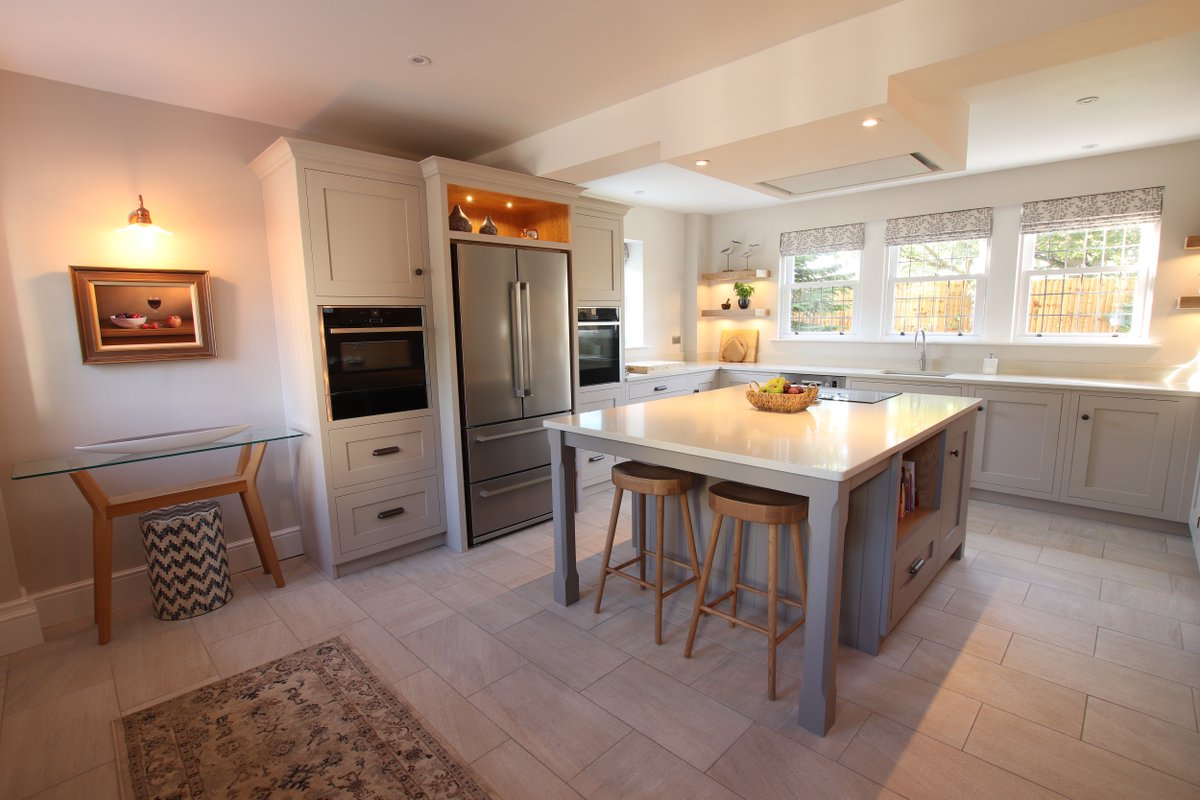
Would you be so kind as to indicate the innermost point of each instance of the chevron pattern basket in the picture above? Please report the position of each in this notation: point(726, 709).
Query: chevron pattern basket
point(185, 551)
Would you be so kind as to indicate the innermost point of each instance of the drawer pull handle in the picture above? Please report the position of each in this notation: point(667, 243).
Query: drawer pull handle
point(497, 436)
point(660, 388)
point(954, 453)
point(420, 271)
point(1085, 417)
point(979, 408)
point(486, 493)
point(385, 451)
point(391, 512)
point(595, 458)
point(916, 566)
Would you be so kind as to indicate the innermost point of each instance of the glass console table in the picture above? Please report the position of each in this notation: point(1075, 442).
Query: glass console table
point(252, 444)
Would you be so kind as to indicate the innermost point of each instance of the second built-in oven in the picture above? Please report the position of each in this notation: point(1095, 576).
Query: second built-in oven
point(599, 345)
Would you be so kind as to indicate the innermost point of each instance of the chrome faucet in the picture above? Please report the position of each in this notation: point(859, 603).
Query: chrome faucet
point(921, 359)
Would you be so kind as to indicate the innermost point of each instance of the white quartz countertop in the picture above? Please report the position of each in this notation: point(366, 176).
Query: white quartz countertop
point(1001, 381)
point(831, 440)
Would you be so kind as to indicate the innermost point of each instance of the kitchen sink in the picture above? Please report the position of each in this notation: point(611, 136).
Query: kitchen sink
point(927, 372)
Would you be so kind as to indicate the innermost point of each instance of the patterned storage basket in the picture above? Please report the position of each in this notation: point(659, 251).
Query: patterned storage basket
point(185, 551)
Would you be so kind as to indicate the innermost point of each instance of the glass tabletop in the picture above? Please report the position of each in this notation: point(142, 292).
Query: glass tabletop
point(94, 460)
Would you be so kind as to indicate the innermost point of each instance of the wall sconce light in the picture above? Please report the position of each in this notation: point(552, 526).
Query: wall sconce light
point(140, 222)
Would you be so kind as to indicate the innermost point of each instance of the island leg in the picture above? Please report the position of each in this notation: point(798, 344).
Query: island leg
point(827, 532)
point(562, 485)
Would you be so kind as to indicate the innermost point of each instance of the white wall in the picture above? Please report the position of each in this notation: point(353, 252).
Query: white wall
point(1176, 334)
point(73, 162)
point(662, 235)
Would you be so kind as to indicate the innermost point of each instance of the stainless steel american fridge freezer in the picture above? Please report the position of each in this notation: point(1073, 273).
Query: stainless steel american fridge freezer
point(512, 313)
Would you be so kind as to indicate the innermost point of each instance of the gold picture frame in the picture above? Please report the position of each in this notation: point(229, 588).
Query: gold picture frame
point(129, 315)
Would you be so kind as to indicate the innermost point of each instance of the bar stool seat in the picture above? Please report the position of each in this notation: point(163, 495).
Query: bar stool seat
point(644, 480)
point(768, 507)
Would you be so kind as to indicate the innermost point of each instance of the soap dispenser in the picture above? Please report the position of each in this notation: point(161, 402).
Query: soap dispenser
point(991, 364)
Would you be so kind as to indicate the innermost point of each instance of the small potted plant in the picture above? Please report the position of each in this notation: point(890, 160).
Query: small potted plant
point(743, 290)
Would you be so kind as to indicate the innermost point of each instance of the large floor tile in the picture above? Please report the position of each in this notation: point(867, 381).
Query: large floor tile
point(530, 540)
point(100, 783)
point(1168, 662)
point(1027, 621)
point(511, 773)
point(434, 569)
point(46, 744)
point(1186, 586)
point(763, 765)
point(936, 595)
point(1150, 741)
point(1105, 568)
point(1190, 637)
point(561, 728)
point(403, 608)
point(371, 579)
point(996, 542)
point(633, 631)
point(1064, 764)
point(1118, 684)
point(315, 610)
point(968, 635)
point(1176, 564)
point(160, 665)
point(59, 666)
point(467, 656)
point(1105, 615)
point(1060, 540)
point(917, 766)
point(1041, 573)
point(938, 712)
point(460, 724)
point(297, 573)
point(572, 655)
point(741, 684)
point(387, 658)
point(239, 652)
point(246, 611)
point(1167, 604)
point(638, 769)
point(961, 576)
point(581, 613)
point(1020, 693)
point(1108, 532)
point(688, 723)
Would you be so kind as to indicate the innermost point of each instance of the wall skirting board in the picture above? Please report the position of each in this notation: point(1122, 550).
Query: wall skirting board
point(20, 626)
point(65, 603)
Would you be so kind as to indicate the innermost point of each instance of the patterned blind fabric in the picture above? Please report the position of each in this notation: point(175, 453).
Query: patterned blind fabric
point(822, 240)
point(973, 223)
point(1110, 209)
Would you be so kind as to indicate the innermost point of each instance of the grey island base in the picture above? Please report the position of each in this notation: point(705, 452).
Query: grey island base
point(865, 564)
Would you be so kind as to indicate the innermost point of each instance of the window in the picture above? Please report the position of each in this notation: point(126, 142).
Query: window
point(937, 272)
point(634, 319)
point(1086, 265)
point(819, 274)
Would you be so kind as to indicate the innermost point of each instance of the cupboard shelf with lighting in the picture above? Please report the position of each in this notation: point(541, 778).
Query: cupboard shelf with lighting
point(737, 313)
point(735, 275)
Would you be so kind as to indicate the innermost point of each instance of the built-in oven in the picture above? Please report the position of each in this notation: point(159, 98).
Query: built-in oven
point(599, 345)
point(374, 360)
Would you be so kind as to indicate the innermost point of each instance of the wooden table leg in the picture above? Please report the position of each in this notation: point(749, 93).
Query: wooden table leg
point(101, 552)
point(249, 462)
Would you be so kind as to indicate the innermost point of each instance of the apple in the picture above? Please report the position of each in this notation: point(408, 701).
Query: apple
point(793, 390)
point(174, 321)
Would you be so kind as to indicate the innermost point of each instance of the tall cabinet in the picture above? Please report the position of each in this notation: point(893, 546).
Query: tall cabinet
point(346, 228)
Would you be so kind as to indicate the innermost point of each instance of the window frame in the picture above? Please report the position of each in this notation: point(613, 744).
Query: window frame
point(787, 270)
point(1143, 291)
point(891, 279)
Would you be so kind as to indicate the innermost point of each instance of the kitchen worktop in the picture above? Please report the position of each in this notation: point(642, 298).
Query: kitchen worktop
point(1036, 381)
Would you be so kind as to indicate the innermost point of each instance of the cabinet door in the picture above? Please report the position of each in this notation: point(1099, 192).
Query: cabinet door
point(366, 236)
point(597, 259)
point(1016, 440)
point(1122, 450)
point(956, 477)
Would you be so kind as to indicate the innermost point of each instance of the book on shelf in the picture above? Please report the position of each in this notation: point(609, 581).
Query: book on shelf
point(908, 487)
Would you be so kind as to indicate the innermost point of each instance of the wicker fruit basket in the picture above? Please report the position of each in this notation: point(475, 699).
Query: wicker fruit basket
point(782, 403)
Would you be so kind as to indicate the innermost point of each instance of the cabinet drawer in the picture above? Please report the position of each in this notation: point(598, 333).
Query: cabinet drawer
point(919, 551)
point(508, 501)
point(659, 387)
point(594, 467)
point(392, 514)
point(382, 450)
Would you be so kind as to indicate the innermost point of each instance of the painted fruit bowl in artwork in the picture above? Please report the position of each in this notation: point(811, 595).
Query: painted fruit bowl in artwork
point(128, 322)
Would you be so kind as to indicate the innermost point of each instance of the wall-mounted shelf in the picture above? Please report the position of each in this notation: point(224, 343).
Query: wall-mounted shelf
point(735, 275)
point(511, 241)
point(511, 213)
point(736, 312)
point(1189, 303)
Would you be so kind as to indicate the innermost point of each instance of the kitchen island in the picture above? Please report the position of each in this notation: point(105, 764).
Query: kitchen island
point(845, 457)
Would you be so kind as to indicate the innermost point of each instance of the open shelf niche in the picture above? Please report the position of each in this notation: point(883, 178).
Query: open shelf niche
point(926, 456)
point(512, 214)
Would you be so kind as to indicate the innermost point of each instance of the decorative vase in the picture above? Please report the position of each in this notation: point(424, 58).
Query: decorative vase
point(459, 221)
point(488, 227)
point(726, 306)
point(743, 302)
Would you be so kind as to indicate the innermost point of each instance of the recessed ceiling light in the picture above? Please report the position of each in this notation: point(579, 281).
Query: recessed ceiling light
point(508, 204)
point(470, 198)
point(419, 60)
point(870, 122)
point(639, 191)
point(702, 162)
point(1087, 101)
point(1089, 147)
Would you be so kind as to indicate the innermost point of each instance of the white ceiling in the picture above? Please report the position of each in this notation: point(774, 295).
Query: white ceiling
point(511, 82)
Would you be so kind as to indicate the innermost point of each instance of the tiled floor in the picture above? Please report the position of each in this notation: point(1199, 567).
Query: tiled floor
point(1058, 658)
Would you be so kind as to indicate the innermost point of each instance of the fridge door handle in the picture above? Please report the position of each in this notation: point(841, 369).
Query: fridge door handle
point(517, 327)
point(527, 337)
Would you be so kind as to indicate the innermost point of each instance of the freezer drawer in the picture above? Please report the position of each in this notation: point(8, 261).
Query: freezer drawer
point(508, 501)
point(495, 450)
point(395, 514)
point(381, 450)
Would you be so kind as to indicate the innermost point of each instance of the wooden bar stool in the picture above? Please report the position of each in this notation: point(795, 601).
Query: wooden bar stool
point(766, 507)
point(661, 482)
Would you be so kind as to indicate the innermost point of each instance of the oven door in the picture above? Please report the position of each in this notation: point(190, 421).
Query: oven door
point(373, 371)
point(599, 353)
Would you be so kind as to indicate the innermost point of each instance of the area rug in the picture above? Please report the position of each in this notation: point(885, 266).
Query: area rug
point(314, 724)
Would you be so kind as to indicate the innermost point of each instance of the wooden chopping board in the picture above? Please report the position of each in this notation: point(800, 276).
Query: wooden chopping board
point(738, 345)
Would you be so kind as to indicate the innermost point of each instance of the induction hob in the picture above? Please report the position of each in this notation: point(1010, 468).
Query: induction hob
point(853, 395)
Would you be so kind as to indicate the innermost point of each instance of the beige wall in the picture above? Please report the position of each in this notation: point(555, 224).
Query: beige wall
point(73, 162)
point(662, 235)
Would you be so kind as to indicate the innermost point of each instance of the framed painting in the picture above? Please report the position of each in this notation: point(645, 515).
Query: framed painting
point(142, 315)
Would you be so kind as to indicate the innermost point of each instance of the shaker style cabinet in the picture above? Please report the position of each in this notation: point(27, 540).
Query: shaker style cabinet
point(1017, 440)
point(598, 259)
point(366, 236)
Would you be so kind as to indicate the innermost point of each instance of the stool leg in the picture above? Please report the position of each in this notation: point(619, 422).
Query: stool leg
point(798, 554)
point(691, 535)
point(709, 554)
point(735, 572)
point(608, 545)
point(772, 604)
point(641, 503)
point(659, 524)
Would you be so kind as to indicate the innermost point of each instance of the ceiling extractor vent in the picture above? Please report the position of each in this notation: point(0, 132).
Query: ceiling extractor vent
point(883, 169)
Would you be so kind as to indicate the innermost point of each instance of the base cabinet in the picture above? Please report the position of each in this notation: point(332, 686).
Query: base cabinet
point(596, 468)
point(1017, 441)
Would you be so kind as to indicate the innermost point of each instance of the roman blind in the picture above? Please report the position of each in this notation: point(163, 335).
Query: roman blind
point(973, 223)
point(1110, 209)
point(822, 240)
